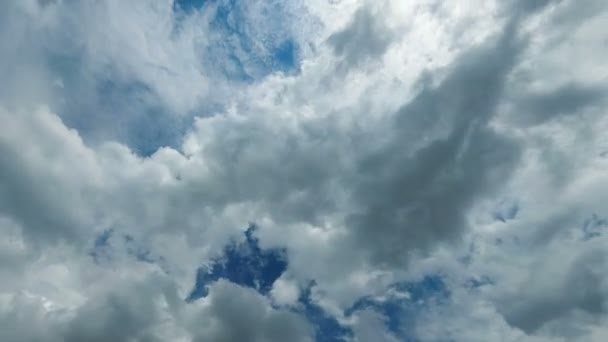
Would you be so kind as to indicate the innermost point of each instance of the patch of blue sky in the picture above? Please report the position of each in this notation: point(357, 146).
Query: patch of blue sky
point(140, 252)
point(286, 54)
point(109, 242)
point(100, 252)
point(189, 5)
point(128, 113)
point(506, 210)
point(243, 263)
point(245, 51)
point(594, 226)
point(404, 303)
point(109, 107)
point(477, 282)
point(327, 328)
point(137, 118)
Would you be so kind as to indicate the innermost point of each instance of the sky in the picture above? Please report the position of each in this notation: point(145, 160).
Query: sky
point(303, 170)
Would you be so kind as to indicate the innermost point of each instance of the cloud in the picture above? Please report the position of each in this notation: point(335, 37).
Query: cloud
point(417, 170)
point(565, 100)
point(363, 38)
point(241, 314)
point(417, 198)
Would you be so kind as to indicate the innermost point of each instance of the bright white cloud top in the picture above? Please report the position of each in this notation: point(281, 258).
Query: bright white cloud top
point(321, 170)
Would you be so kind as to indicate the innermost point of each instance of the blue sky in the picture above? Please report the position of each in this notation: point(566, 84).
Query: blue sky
point(306, 171)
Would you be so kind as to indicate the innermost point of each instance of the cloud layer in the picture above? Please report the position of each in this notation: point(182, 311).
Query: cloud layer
point(303, 170)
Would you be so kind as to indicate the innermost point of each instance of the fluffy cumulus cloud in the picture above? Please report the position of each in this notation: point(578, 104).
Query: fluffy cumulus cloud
point(320, 170)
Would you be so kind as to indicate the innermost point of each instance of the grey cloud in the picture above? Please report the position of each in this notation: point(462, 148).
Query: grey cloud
point(71, 62)
point(27, 321)
point(399, 198)
point(530, 6)
point(240, 314)
point(150, 310)
point(581, 287)
point(402, 190)
point(412, 201)
point(365, 37)
point(118, 317)
point(23, 199)
point(574, 13)
point(128, 313)
point(25, 78)
point(566, 100)
point(523, 8)
point(46, 200)
point(288, 172)
point(370, 326)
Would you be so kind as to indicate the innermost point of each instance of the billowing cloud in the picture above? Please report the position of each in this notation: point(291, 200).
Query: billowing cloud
point(303, 171)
